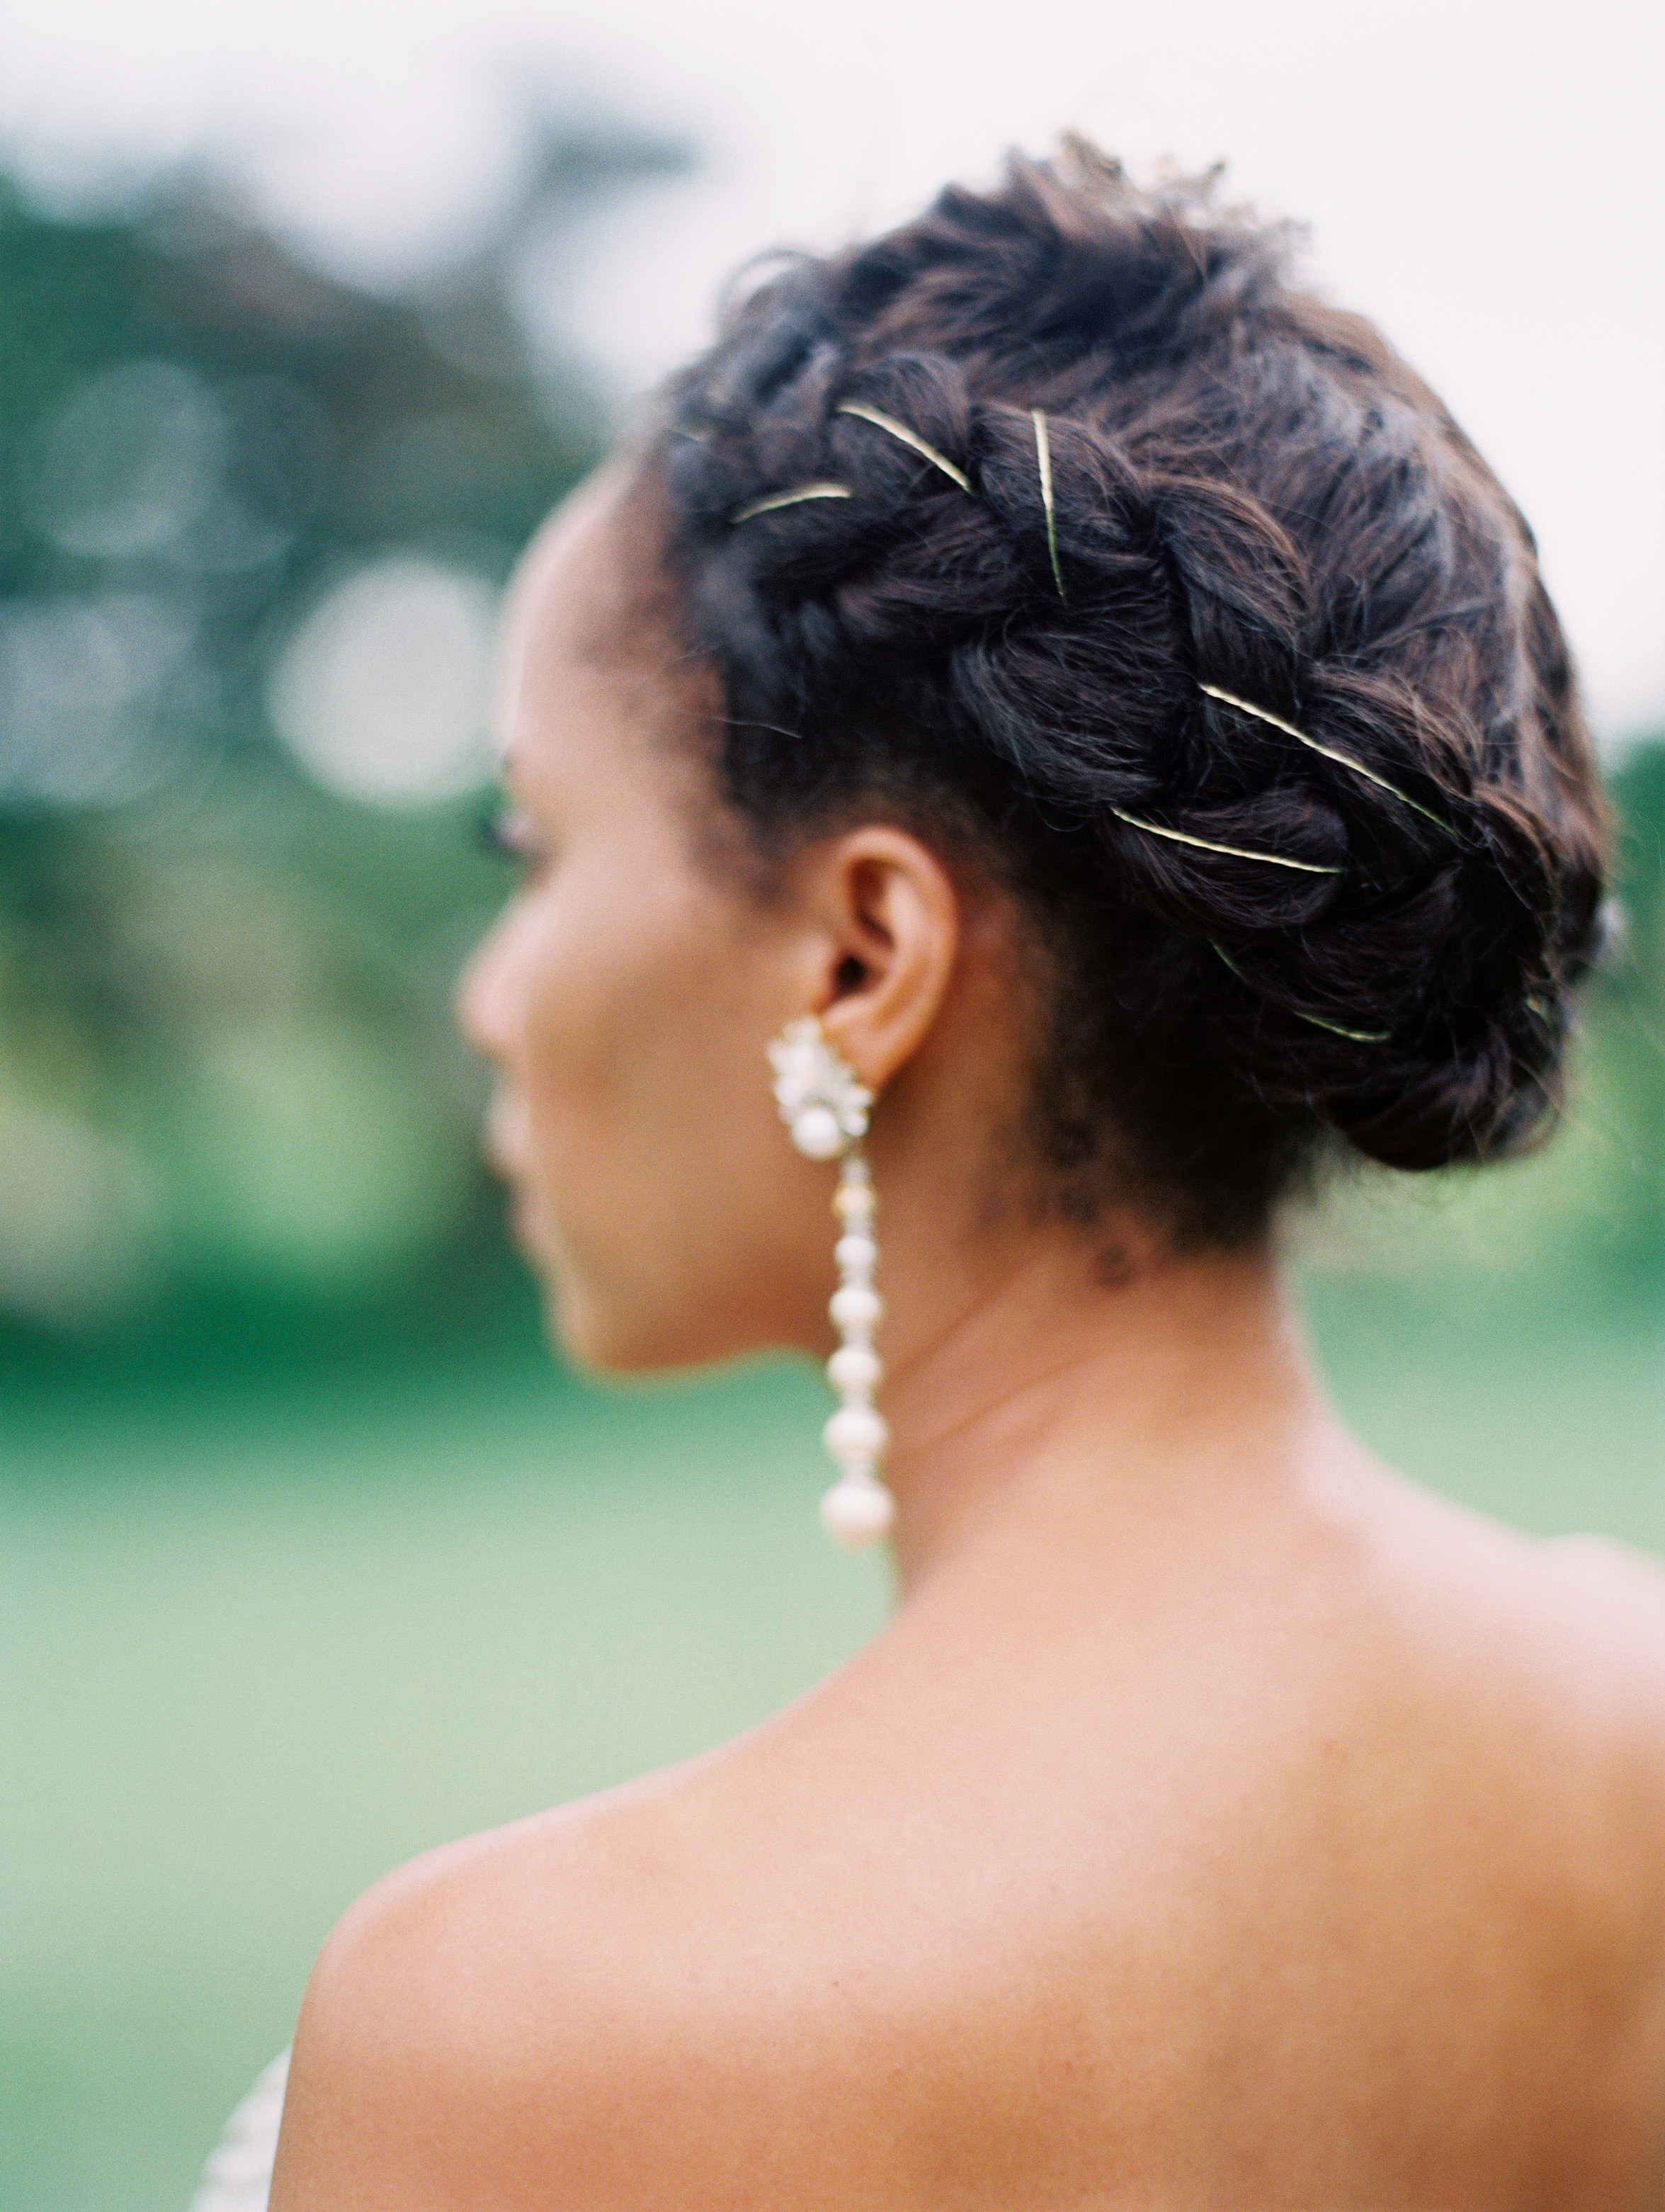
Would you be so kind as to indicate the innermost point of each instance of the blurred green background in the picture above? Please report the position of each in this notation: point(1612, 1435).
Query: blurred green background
point(312, 1557)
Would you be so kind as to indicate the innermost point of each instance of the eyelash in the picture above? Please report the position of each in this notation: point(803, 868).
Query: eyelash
point(508, 832)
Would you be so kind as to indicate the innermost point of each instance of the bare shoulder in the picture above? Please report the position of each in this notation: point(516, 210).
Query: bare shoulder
point(1618, 1592)
point(1603, 1623)
point(1606, 1616)
point(1572, 1627)
point(588, 2006)
point(1593, 1611)
point(1545, 1676)
point(1590, 1607)
point(489, 2024)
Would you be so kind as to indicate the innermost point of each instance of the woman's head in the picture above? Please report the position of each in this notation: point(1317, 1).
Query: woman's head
point(629, 992)
point(1007, 638)
point(1250, 492)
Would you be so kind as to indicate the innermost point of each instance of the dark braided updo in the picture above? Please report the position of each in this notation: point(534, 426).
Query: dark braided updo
point(1251, 492)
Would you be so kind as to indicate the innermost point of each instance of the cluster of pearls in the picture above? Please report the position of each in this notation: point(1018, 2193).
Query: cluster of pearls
point(820, 1099)
point(825, 1107)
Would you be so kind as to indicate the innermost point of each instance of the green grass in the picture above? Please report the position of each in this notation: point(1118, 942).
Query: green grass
point(261, 1644)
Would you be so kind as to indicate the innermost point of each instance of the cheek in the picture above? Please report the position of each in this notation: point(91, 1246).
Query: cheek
point(671, 1205)
point(613, 968)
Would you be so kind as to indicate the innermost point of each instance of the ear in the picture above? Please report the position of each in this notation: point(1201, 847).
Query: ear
point(887, 935)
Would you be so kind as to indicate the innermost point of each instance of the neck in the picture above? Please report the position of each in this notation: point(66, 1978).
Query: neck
point(1045, 1392)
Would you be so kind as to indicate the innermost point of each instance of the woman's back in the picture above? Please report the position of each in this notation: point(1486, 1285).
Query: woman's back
point(1352, 1893)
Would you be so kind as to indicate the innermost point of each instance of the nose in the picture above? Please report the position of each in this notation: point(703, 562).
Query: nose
point(484, 1000)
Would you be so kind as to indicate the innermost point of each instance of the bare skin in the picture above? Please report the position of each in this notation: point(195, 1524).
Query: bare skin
point(1220, 1821)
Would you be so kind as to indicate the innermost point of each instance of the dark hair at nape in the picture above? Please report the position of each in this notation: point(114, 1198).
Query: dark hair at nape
point(1359, 910)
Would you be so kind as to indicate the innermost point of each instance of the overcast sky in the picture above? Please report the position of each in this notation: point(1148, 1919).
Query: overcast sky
point(1487, 180)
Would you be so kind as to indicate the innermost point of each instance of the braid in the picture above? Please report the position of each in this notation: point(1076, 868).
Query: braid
point(1058, 522)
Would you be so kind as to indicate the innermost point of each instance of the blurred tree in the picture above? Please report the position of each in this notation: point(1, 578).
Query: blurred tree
point(238, 498)
point(1629, 1018)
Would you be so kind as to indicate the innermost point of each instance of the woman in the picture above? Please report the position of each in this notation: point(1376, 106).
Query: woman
point(1086, 707)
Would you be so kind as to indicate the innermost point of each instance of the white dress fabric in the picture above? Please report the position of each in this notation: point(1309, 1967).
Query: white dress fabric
point(238, 2175)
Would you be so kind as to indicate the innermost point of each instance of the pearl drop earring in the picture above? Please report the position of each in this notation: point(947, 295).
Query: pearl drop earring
point(825, 1107)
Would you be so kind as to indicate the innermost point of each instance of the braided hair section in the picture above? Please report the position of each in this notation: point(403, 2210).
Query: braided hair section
point(1060, 523)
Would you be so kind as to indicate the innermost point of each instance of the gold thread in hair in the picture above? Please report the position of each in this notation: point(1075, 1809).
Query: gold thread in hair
point(1354, 1036)
point(907, 437)
point(1342, 760)
point(1236, 851)
point(1043, 460)
point(789, 499)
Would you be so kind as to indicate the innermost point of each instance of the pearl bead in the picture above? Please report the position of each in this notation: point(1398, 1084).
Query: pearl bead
point(817, 1135)
point(858, 1510)
point(853, 1367)
point(853, 1201)
point(853, 1252)
point(855, 1307)
point(856, 1432)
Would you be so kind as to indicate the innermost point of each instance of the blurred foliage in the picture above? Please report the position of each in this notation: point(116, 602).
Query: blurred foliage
point(230, 1105)
point(232, 1112)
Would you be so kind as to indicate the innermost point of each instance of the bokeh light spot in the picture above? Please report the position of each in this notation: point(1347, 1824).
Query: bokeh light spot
point(129, 461)
point(381, 693)
point(80, 681)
